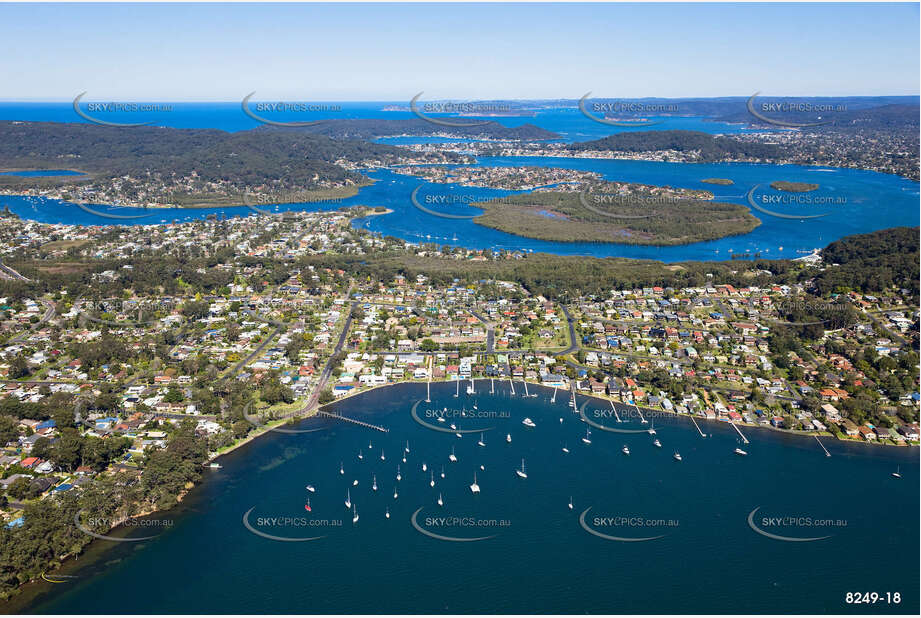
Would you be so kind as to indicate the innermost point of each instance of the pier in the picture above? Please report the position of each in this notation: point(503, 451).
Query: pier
point(428, 391)
point(614, 410)
point(744, 439)
point(512, 384)
point(353, 421)
point(525, 388)
point(642, 420)
point(492, 385)
point(693, 420)
point(827, 454)
point(553, 399)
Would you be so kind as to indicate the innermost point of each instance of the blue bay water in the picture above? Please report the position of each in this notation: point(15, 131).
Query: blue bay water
point(871, 200)
point(708, 559)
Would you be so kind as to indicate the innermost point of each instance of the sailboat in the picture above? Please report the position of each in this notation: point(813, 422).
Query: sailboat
point(382, 455)
point(395, 493)
point(453, 426)
point(626, 450)
point(369, 445)
point(387, 512)
point(341, 469)
point(354, 514)
point(348, 499)
point(565, 448)
point(481, 442)
point(360, 456)
point(307, 506)
point(440, 501)
point(570, 503)
point(355, 483)
point(424, 467)
point(452, 457)
point(652, 429)
point(457, 394)
point(406, 450)
point(442, 471)
point(522, 472)
point(657, 443)
point(508, 438)
point(474, 487)
point(898, 472)
point(399, 476)
point(432, 482)
point(739, 451)
point(373, 482)
point(588, 436)
point(404, 458)
point(677, 456)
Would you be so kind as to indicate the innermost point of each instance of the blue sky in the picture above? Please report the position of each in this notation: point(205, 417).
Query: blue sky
point(210, 52)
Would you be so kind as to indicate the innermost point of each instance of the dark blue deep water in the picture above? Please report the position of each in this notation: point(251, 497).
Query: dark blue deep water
point(706, 559)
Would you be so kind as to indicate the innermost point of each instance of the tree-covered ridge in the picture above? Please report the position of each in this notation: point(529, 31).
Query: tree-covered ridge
point(709, 147)
point(245, 158)
point(371, 128)
point(873, 262)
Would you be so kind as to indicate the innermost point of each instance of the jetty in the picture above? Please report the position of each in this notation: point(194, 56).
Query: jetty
point(827, 454)
point(693, 420)
point(354, 421)
point(512, 384)
point(614, 410)
point(744, 439)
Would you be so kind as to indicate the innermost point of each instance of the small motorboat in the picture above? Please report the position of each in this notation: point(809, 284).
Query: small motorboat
point(508, 438)
point(311, 488)
point(528, 422)
point(625, 450)
point(657, 443)
point(739, 451)
point(677, 456)
point(355, 483)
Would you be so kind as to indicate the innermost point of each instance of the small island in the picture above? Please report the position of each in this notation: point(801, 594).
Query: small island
point(794, 187)
point(619, 213)
point(717, 181)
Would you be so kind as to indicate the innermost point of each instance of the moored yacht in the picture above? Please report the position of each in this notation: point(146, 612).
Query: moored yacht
point(528, 422)
point(740, 452)
point(677, 456)
point(452, 457)
point(625, 450)
point(521, 471)
point(474, 487)
point(348, 499)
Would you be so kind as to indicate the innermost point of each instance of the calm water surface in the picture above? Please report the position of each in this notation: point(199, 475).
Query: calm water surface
point(538, 557)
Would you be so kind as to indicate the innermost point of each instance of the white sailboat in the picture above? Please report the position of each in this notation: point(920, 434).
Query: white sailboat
point(565, 448)
point(406, 450)
point(440, 501)
point(354, 513)
point(424, 467)
point(395, 493)
point(652, 429)
point(898, 472)
point(373, 482)
point(348, 499)
point(355, 483)
point(508, 438)
point(481, 441)
point(382, 455)
point(432, 482)
point(521, 472)
point(452, 457)
point(360, 456)
point(570, 503)
point(739, 451)
point(399, 476)
point(474, 487)
point(442, 471)
point(311, 488)
point(387, 512)
point(625, 450)
point(588, 436)
point(341, 469)
point(457, 394)
point(657, 443)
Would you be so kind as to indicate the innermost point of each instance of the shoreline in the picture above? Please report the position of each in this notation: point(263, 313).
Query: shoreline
point(70, 559)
